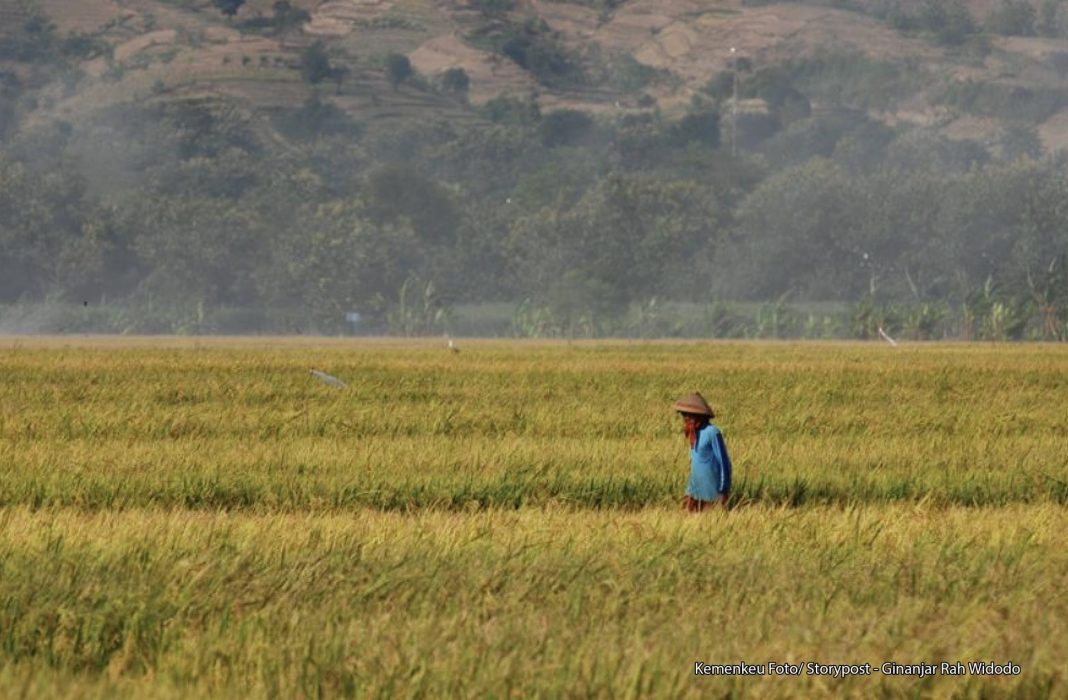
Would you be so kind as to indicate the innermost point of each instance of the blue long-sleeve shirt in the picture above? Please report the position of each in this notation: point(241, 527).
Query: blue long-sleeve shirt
point(710, 466)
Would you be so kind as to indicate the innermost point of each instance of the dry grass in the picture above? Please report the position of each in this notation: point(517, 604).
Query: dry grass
point(549, 602)
point(202, 518)
point(504, 425)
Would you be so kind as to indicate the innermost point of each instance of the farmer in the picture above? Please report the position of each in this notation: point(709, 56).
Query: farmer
point(710, 465)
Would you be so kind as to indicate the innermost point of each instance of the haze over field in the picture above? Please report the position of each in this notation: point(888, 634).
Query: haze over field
point(535, 168)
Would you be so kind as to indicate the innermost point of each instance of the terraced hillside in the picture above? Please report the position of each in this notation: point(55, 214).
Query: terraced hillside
point(632, 55)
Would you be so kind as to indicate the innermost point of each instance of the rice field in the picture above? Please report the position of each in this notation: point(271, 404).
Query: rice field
point(204, 518)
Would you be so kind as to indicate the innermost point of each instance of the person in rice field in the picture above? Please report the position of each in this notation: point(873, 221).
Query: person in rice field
point(710, 465)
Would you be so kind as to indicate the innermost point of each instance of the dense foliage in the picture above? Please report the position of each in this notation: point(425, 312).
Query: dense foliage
point(578, 220)
point(582, 216)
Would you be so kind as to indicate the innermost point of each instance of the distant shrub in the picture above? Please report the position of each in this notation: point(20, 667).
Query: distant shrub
point(316, 118)
point(1012, 18)
point(1008, 102)
point(285, 18)
point(1019, 141)
point(949, 20)
point(492, 8)
point(455, 80)
point(852, 5)
point(398, 69)
point(627, 74)
point(855, 80)
point(34, 43)
point(1059, 61)
point(924, 150)
point(505, 109)
point(387, 22)
point(315, 63)
point(1053, 18)
point(565, 127)
point(720, 86)
point(228, 7)
point(84, 46)
point(534, 47)
point(755, 128)
point(696, 127)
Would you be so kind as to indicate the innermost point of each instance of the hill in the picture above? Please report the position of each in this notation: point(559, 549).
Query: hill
point(595, 55)
point(587, 165)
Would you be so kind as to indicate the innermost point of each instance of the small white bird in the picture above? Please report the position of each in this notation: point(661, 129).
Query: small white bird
point(329, 379)
point(452, 345)
point(887, 338)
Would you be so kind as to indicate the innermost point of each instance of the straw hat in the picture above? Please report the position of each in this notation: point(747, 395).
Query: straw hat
point(693, 403)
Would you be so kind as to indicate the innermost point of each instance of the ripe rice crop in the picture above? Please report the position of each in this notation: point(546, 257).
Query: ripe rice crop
point(188, 517)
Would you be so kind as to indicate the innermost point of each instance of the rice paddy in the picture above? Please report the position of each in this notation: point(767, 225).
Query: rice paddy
point(190, 517)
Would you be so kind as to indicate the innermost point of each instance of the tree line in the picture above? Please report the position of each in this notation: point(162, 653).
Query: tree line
point(578, 220)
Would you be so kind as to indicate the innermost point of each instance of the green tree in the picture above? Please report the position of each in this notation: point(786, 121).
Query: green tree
point(536, 48)
point(339, 261)
point(99, 261)
point(1012, 18)
point(895, 246)
point(639, 235)
point(287, 17)
point(10, 89)
point(41, 217)
point(581, 304)
point(696, 127)
point(819, 136)
point(793, 231)
point(1040, 250)
point(398, 69)
point(399, 192)
point(1053, 18)
point(35, 43)
point(228, 7)
point(923, 149)
point(949, 20)
point(230, 174)
point(565, 127)
point(315, 63)
point(455, 80)
point(505, 109)
point(1019, 141)
point(493, 8)
point(197, 249)
point(316, 118)
point(201, 128)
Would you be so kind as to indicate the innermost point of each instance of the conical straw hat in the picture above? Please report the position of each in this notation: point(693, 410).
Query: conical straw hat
point(693, 403)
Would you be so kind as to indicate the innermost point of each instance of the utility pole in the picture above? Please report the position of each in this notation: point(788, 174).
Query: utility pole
point(734, 104)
